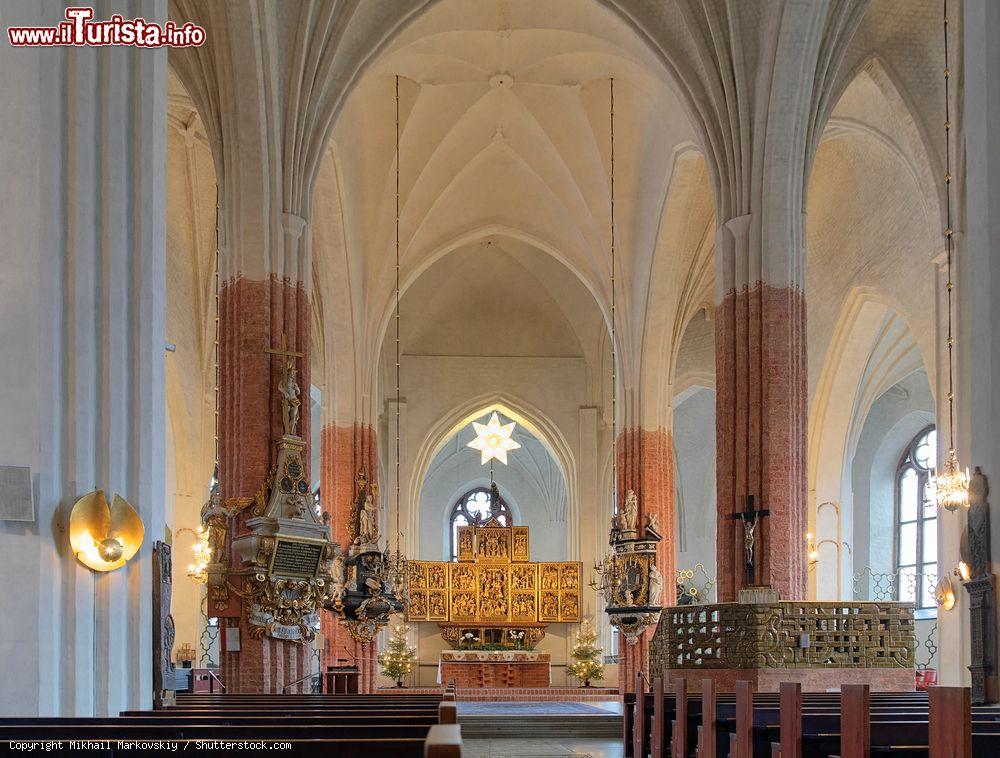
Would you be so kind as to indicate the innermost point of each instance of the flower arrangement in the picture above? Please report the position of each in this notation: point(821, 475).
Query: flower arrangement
point(517, 638)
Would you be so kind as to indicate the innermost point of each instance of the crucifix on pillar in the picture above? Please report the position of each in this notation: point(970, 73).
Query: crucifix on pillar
point(288, 387)
point(750, 519)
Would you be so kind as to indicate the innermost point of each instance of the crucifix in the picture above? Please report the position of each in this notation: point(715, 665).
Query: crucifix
point(750, 519)
point(288, 387)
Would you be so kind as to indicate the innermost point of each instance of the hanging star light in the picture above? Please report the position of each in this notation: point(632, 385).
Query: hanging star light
point(493, 439)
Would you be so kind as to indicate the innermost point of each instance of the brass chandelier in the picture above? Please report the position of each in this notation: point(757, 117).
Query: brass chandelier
point(950, 483)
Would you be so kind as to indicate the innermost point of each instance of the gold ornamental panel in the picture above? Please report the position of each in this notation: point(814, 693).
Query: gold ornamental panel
point(548, 605)
point(437, 605)
point(463, 576)
point(417, 609)
point(523, 605)
point(500, 586)
point(437, 576)
point(466, 543)
point(463, 606)
point(524, 577)
point(493, 544)
point(494, 595)
point(549, 576)
point(569, 605)
point(519, 547)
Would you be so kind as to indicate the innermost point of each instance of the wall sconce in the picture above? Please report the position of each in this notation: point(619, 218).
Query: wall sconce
point(811, 552)
point(104, 538)
point(963, 571)
point(945, 594)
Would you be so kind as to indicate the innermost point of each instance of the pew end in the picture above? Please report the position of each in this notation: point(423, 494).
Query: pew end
point(444, 741)
point(448, 712)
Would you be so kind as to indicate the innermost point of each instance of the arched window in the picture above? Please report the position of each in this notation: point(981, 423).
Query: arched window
point(916, 522)
point(472, 508)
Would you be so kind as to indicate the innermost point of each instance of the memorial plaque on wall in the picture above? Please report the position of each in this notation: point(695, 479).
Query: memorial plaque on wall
point(16, 498)
point(295, 558)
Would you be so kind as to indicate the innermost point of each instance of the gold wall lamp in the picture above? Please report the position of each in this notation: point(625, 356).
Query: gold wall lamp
point(104, 538)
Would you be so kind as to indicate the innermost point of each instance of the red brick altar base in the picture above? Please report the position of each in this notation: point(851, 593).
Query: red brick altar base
point(518, 694)
point(480, 674)
point(812, 680)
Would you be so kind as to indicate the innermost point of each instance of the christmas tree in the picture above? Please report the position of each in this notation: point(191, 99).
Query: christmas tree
point(399, 658)
point(588, 663)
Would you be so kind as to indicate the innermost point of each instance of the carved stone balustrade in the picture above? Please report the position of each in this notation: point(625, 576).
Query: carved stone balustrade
point(767, 643)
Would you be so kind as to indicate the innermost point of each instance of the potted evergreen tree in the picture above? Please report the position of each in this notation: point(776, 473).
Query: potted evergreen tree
point(588, 659)
point(399, 658)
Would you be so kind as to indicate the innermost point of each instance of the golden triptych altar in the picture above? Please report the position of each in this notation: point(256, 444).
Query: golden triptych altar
point(494, 605)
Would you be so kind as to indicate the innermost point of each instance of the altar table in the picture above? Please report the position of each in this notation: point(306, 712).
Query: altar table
point(495, 668)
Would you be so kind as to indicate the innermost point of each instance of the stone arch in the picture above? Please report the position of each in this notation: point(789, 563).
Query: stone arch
point(536, 421)
point(873, 348)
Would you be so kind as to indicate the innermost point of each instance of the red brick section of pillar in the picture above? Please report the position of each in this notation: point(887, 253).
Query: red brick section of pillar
point(253, 315)
point(646, 465)
point(346, 450)
point(760, 363)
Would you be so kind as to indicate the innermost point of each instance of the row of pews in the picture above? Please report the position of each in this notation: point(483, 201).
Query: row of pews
point(851, 723)
point(396, 725)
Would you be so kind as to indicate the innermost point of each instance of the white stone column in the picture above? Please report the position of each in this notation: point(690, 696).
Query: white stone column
point(82, 306)
point(978, 336)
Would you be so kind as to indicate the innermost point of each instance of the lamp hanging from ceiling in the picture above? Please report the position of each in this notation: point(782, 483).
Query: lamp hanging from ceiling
point(950, 483)
point(627, 578)
point(397, 565)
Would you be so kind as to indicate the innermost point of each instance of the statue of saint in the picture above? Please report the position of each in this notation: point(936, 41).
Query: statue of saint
point(652, 523)
point(367, 526)
point(655, 586)
point(630, 512)
point(289, 389)
point(216, 521)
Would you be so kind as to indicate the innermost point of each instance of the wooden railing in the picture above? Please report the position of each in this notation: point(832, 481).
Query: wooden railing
point(784, 635)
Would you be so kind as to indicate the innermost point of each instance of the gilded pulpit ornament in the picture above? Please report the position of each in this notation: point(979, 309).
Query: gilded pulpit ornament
point(628, 578)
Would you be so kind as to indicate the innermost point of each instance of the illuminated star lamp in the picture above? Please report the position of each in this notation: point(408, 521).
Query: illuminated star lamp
point(493, 439)
point(104, 538)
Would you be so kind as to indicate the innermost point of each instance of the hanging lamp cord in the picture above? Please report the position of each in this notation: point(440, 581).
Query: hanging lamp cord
point(398, 533)
point(948, 236)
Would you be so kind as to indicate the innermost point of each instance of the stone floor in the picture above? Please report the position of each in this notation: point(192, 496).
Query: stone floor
point(578, 748)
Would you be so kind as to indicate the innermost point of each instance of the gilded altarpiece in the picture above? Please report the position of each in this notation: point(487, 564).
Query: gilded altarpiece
point(494, 583)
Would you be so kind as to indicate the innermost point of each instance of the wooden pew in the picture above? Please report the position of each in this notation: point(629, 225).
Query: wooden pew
point(639, 741)
point(855, 723)
point(656, 731)
point(950, 722)
point(679, 725)
point(706, 730)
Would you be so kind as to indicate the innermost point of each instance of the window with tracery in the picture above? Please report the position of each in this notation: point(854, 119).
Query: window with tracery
point(472, 508)
point(916, 522)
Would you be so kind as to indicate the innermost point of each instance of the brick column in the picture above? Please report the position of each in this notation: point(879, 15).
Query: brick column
point(253, 315)
point(345, 450)
point(646, 465)
point(761, 414)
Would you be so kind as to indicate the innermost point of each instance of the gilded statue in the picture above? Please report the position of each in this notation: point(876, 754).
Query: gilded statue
point(630, 512)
